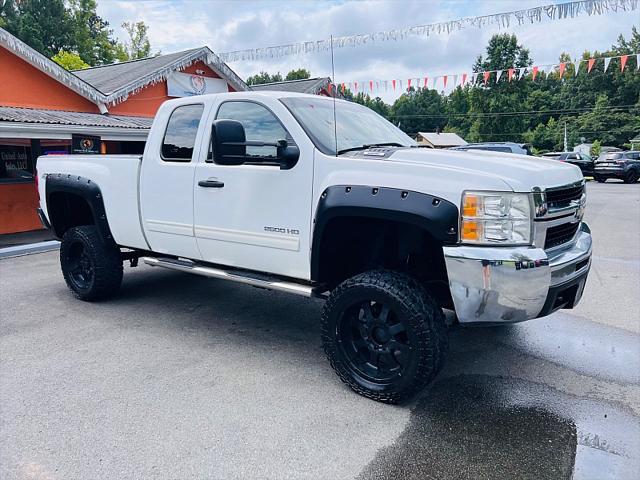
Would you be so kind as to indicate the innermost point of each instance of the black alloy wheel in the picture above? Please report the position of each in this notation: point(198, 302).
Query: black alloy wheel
point(80, 266)
point(384, 335)
point(91, 265)
point(375, 343)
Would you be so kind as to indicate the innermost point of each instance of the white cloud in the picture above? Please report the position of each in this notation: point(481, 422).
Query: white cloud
point(233, 25)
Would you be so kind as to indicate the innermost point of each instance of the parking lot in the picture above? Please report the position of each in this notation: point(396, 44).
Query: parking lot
point(188, 377)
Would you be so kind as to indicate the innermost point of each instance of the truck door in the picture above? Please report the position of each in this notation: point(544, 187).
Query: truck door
point(256, 215)
point(166, 182)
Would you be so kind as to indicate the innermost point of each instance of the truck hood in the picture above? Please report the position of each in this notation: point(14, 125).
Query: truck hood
point(519, 172)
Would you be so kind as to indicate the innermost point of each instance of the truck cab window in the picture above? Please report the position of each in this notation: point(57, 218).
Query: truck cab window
point(180, 136)
point(259, 123)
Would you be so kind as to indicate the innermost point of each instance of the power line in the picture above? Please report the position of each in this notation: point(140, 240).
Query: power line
point(527, 112)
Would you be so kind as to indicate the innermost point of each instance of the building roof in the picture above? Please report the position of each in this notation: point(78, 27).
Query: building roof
point(307, 85)
point(49, 67)
point(443, 139)
point(118, 80)
point(109, 84)
point(635, 139)
point(59, 117)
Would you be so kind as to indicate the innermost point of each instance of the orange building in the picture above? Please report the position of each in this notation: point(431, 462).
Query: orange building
point(45, 109)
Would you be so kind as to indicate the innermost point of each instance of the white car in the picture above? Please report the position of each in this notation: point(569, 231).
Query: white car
point(263, 188)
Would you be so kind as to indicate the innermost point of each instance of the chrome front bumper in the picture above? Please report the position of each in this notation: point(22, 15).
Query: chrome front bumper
point(494, 285)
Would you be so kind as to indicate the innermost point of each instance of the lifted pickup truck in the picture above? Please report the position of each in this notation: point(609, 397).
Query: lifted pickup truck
point(264, 189)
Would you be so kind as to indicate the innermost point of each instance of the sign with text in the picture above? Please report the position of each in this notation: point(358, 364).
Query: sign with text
point(187, 85)
point(85, 144)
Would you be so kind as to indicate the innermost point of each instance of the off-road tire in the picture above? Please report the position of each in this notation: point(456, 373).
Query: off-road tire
point(631, 176)
point(91, 266)
point(413, 307)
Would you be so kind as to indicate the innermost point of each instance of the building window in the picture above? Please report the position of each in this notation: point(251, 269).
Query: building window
point(180, 136)
point(15, 161)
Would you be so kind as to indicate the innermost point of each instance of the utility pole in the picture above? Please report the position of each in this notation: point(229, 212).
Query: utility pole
point(566, 145)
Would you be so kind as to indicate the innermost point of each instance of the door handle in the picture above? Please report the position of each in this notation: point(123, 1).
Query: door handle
point(211, 183)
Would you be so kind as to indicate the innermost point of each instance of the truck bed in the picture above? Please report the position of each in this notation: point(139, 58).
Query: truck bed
point(118, 179)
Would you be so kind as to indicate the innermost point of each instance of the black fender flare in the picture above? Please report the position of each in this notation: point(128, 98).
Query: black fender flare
point(437, 216)
point(84, 188)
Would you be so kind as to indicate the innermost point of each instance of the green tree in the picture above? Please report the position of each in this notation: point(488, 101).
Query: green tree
point(137, 46)
point(596, 148)
point(264, 77)
point(419, 110)
point(70, 61)
point(299, 74)
point(44, 25)
point(92, 37)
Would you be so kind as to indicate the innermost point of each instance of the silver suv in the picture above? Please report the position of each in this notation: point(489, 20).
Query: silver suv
point(506, 147)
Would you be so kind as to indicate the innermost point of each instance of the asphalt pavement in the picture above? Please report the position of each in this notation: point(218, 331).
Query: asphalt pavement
point(184, 377)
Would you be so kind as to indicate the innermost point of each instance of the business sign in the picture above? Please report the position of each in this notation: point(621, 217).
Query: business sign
point(85, 144)
point(187, 85)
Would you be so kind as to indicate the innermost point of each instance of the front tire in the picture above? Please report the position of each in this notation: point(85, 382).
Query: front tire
point(384, 335)
point(91, 267)
point(631, 176)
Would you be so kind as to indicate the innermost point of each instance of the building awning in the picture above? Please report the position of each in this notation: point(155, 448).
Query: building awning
point(18, 122)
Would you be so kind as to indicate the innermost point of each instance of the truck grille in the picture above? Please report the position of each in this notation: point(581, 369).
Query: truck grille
point(560, 234)
point(562, 198)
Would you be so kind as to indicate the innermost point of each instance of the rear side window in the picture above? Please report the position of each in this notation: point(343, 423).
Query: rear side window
point(180, 136)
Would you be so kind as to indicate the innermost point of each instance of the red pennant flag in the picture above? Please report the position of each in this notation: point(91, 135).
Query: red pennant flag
point(408, 84)
point(329, 87)
point(355, 88)
point(561, 68)
point(623, 62)
point(464, 79)
point(342, 87)
point(510, 73)
point(534, 72)
point(444, 78)
point(486, 76)
point(425, 81)
point(393, 82)
point(371, 85)
point(590, 64)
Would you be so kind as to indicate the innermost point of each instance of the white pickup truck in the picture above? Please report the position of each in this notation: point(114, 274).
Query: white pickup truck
point(265, 189)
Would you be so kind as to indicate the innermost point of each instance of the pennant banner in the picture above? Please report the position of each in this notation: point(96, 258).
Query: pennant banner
point(554, 11)
point(513, 74)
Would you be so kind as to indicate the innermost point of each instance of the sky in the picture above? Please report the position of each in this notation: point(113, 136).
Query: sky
point(176, 25)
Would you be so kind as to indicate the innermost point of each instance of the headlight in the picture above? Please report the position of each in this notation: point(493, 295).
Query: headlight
point(496, 218)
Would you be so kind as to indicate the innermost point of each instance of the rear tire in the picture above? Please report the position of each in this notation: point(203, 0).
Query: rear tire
point(91, 267)
point(384, 335)
point(600, 179)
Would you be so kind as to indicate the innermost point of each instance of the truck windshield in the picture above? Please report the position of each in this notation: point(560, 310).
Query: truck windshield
point(358, 126)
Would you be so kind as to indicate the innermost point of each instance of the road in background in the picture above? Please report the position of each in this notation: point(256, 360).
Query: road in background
point(189, 377)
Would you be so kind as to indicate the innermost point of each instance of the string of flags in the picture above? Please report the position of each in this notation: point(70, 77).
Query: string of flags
point(551, 12)
point(536, 72)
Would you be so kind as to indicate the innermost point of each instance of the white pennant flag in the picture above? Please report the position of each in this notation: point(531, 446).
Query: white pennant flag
point(455, 81)
point(473, 78)
point(606, 63)
point(577, 64)
point(638, 61)
point(522, 72)
point(498, 75)
point(433, 82)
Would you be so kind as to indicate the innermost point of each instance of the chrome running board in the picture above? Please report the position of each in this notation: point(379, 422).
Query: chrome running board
point(237, 276)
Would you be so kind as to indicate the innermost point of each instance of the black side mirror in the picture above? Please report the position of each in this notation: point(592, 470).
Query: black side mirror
point(228, 142)
point(288, 155)
point(229, 146)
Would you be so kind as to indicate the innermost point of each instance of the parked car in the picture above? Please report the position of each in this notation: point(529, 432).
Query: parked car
point(258, 188)
point(506, 147)
point(580, 160)
point(623, 165)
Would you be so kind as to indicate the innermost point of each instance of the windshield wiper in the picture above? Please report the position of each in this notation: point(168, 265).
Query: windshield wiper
point(369, 145)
